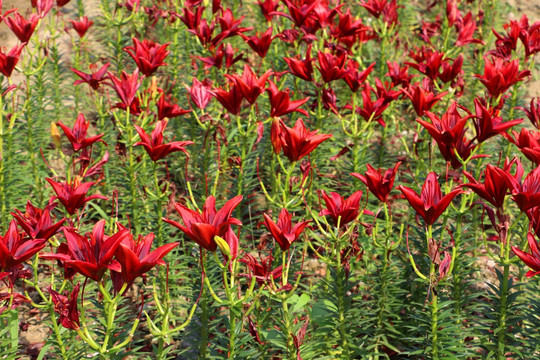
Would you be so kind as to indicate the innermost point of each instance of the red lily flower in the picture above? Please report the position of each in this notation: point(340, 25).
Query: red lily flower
point(528, 143)
point(533, 112)
point(280, 103)
point(452, 12)
point(378, 184)
point(399, 75)
point(203, 227)
point(299, 13)
point(297, 141)
point(268, 8)
point(488, 123)
point(284, 232)
point(494, 188)
point(167, 109)
point(226, 52)
point(532, 260)
point(200, 93)
point(230, 26)
point(82, 25)
point(423, 100)
point(73, 196)
point(77, 135)
point(466, 27)
point(190, 19)
point(430, 204)
point(372, 111)
point(95, 78)
point(429, 64)
point(91, 255)
point(42, 6)
point(301, 68)
point(66, 307)
point(449, 132)
point(21, 27)
point(126, 87)
point(355, 78)
point(341, 210)
point(332, 67)
point(15, 249)
point(348, 26)
point(525, 193)
point(135, 257)
point(148, 55)
point(260, 43)
point(61, 3)
point(9, 61)
point(250, 85)
point(262, 271)
point(500, 75)
point(231, 100)
point(37, 223)
point(154, 145)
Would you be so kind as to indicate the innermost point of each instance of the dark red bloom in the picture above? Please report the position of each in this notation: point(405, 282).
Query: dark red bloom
point(429, 64)
point(154, 145)
point(37, 223)
point(342, 211)
point(66, 307)
point(260, 43)
point(301, 68)
point(299, 12)
point(73, 196)
point(203, 227)
point(348, 26)
point(82, 25)
point(528, 143)
point(262, 271)
point(250, 85)
point(378, 184)
point(231, 100)
point(449, 133)
point(332, 67)
point(148, 55)
point(533, 112)
point(21, 27)
point(135, 257)
point(126, 88)
point(167, 109)
point(16, 249)
point(423, 100)
point(9, 61)
point(355, 78)
point(526, 193)
point(61, 3)
point(532, 260)
point(191, 19)
point(200, 93)
point(77, 135)
point(398, 74)
point(95, 78)
point(284, 232)
point(280, 102)
point(268, 8)
point(226, 52)
point(297, 141)
point(466, 26)
point(91, 255)
point(494, 188)
point(488, 123)
point(430, 204)
point(500, 75)
point(372, 110)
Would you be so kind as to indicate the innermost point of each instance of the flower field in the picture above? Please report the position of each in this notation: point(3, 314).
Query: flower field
point(271, 179)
